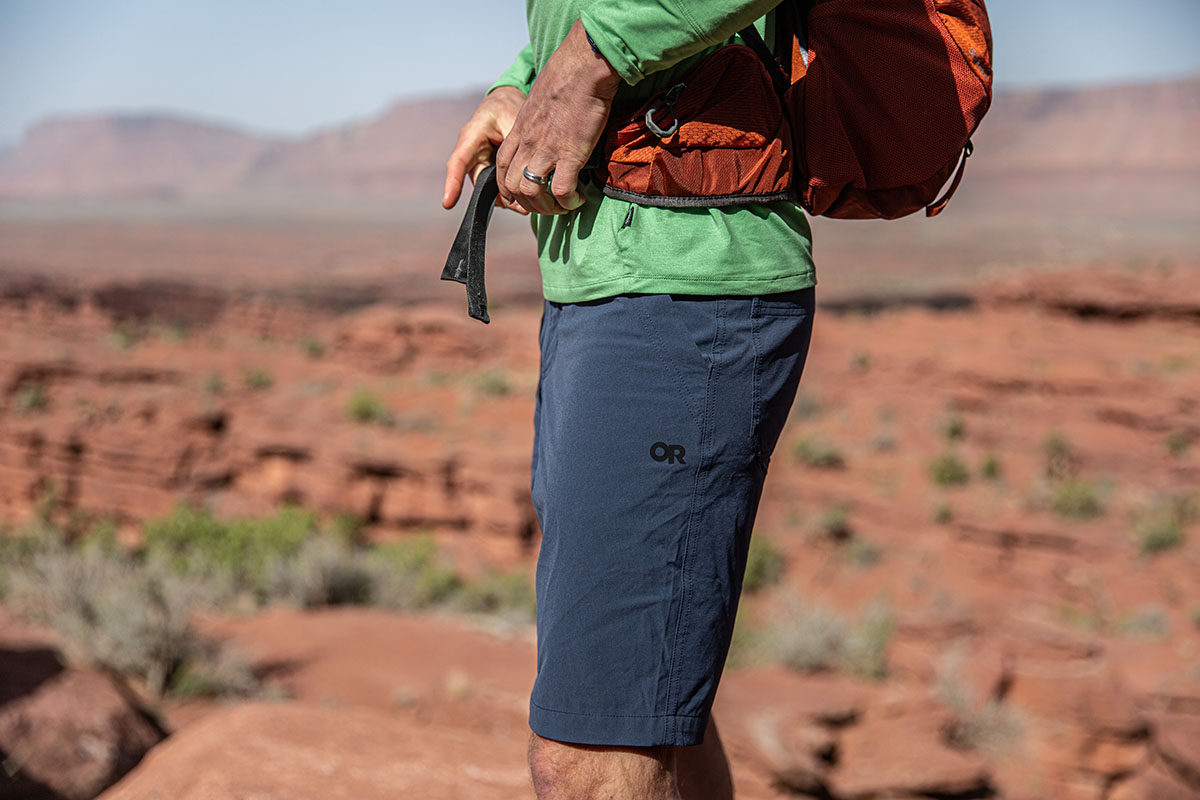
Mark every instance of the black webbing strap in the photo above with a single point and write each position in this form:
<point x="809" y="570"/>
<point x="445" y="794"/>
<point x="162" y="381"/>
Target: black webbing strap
<point x="465" y="262"/>
<point x="751" y="37"/>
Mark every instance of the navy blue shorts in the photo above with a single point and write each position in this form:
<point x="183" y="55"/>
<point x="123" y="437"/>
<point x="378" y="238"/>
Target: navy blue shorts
<point x="655" y="420"/>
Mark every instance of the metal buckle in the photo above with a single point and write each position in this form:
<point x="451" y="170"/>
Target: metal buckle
<point x="671" y="96"/>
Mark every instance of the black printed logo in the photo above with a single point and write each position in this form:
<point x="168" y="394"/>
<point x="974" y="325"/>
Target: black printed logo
<point x="671" y="453"/>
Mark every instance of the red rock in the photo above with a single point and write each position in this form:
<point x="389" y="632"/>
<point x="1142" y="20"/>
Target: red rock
<point x="1177" y="741"/>
<point x="1115" y="757"/>
<point x="904" y="756"/>
<point x="73" y="734"/>
<point x="289" y="750"/>
<point x="1156" y="783"/>
<point x="1086" y="692"/>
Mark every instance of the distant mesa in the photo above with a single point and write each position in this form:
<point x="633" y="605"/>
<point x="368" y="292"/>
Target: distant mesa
<point x="1041" y="151"/>
<point x="159" y="156"/>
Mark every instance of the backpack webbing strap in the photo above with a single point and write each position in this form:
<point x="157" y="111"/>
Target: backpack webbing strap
<point x="465" y="262"/>
<point x="752" y="38"/>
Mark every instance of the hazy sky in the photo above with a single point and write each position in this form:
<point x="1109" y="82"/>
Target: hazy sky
<point x="287" y="66"/>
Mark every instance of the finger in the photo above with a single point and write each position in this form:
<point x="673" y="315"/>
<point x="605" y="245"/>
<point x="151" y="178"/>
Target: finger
<point x="564" y="187"/>
<point x="504" y="157"/>
<point x="466" y="152"/>
<point x="536" y="195"/>
<point x="479" y="166"/>
<point x="511" y="206"/>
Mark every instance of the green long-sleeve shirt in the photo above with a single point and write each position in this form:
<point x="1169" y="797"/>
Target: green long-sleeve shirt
<point x="591" y="252"/>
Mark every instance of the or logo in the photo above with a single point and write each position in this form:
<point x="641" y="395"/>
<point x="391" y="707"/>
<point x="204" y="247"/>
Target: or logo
<point x="661" y="451"/>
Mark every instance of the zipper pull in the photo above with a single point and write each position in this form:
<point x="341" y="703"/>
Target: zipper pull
<point x="628" y="217"/>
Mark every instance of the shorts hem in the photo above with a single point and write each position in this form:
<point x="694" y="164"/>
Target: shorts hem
<point x="615" y="729"/>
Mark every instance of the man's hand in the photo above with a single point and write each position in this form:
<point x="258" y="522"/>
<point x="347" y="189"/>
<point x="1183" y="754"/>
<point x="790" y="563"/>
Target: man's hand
<point x="478" y="140"/>
<point x="557" y="127"/>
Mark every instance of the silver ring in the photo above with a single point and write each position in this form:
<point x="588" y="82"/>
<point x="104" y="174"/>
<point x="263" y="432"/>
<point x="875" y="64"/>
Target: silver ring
<point x="538" y="179"/>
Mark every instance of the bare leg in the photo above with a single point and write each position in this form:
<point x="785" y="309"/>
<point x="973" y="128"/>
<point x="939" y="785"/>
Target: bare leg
<point x="702" y="772"/>
<point x="564" y="771"/>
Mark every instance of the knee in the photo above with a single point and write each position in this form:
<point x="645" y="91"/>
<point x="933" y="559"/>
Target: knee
<point x="563" y="771"/>
<point x="542" y="767"/>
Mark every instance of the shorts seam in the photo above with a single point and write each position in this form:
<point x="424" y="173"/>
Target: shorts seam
<point x="686" y="571"/>
<point x="756" y="384"/>
<point x="620" y="716"/>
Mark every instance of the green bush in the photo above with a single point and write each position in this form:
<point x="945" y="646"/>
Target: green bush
<point x="992" y="469"/>
<point x="31" y="398"/>
<point x="1078" y="498"/>
<point x="409" y="574"/>
<point x="954" y="427"/>
<point x="1178" y="443"/>
<point x="834" y="523"/>
<point x="509" y="594"/>
<point x="1061" y="460"/>
<point x="493" y="382"/>
<point x="943" y="514"/>
<point x="1164" y="525"/>
<point x="312" y="347"/>
<point x="194" y="541"/>
<point x="257" y="379"/>
<point x="949" y="470"/>
<point x="764" y="565"/>
<point x="818" y="454"/>
<point x="364" y="407"/>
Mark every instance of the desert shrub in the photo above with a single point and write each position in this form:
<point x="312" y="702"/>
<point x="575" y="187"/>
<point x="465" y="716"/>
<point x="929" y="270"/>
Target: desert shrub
<point x="1163" y="526"/>
<point x="764" y="565"/>
<point x="1150" y="621"/>
<point x="986" y="725"/>
<point x="992" y="468"/>
<point x="312" y="347"/>
<point x="863" y="553"/>
<point x="943" y="514"/>
<point x="125" y="335"/>
<point x="806" y="406"/>
<point x="860" y="361"/>
<point x="745" y="643"/>
<point x="364" y="407"/>
<point x="193" y="541"/>
<point x="953" y="428"/>
<point x="409" y="575"/>
<point x="493" y="382"/>
<point x="1061" y="460"/>
<point x="812" y="638"/>
<point x="257" y="379"/>
<point x="1178" y="443"/>
<point x="130" y="617"/>
<point x="949" y="470"/>
<point x="214" y="670"/>
<point x="31" y="397"/>
<point x="347" y="527"/>
<point x="834" y="523"/>
<point x="509" y="594"/>
<point x="818" y="454"/>
<point x="214" y="384"/>
<point x="1077" y="498"/>
<point x="324" y="571"/>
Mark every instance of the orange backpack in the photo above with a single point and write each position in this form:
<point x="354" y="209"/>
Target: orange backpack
<point x="864" y="112"/>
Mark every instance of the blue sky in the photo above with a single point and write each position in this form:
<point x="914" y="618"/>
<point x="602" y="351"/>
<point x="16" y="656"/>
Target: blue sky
<point x="291" y="66"/>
